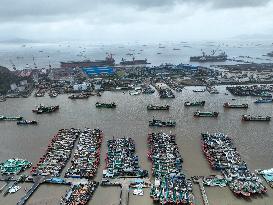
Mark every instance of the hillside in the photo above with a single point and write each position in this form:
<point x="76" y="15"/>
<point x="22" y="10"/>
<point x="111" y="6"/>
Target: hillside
<point x="6" y="78"/>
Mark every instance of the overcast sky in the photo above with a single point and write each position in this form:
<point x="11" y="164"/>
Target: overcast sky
<point x="134" y="20"/>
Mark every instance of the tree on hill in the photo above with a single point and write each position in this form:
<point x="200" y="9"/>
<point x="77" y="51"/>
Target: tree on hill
<point x="6" y="78"/>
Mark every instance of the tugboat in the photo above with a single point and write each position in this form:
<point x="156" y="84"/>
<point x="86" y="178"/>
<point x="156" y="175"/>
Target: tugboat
<point x="43" y="109"/>
<point x="255" y="118"/>
<point x="4" y="118"/>
<point x="26" y="122"/>
<point x="206" y="114"/>
<point x="79" y="96"/>
<point x="264" y="100"/>
<point x="159" y="123"/>
<point x="228" y="105"/>
<point x="106" y="105"/>
<point x="158" y="107"/>
<point x="197" y="103"/>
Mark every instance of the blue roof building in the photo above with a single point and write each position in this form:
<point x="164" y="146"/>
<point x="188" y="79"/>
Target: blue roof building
<point x="92" y="71"/>
<point x="187" y="67"/>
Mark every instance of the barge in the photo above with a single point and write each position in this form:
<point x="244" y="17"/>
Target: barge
<point x="159" y="123"/>
<point x="209" y="58"/>
<point x="106" y="105"/>
<point x="158" y="107"/>
<point x="5" y="118"/>
<point x="206" y="114"/>
<point x="193" y="104"/>
<point x="255" y="118"/>
<point x="27" y="122"/>
<point x="229" y="105"/>
<point x="41" y="109"/>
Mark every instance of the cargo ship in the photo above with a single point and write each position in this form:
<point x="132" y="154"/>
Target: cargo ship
<point x="159" y="123"/>
<point x="264" y="100"/>
<point x="270" y="54"/>
<point x="158" y="107"/>
<point x="209" y="58"/>
<point x="197" y="103"/>
<point x="228" y="105"/>
<point x="4" y="118"/>
<point x="108" y="61"/>
<point x="133" y="62"/>
<point x="255" y="118"/>
<point x="206" y="114"/>
<point x="106" y="105"/>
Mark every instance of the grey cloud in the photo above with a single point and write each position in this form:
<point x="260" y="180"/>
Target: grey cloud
<point x="31" y="10"/>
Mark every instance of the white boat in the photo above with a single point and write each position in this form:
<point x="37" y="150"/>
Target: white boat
<point x="14" y="189"/>
<point x="199" y="90"/>
<point x="136" y="92"/>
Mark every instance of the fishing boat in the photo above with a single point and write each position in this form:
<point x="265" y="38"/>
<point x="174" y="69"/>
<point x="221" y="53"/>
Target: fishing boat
<point x="212" y="90"/>
<point x="199" y="90"/>
<point x="106" y="105"/>
<point x="166" y="93"/>
<point x="135" y="92"/>
<point x="2" y="99"/>
<point x="255" y="118"/>
<point x="197" y="103"/>
<point x="53" y="94"/>
<point x="229" y="105"/>
<point x="27" y="122"/>
<point x="4" y="118"/>
<point x="78" y="96"/>
<point x="158" y="107"/>
<point x="45" y="109"/>
<point x="206" y="114"/>
<point x="159" y="123"/>
<point x="264" y="100"/>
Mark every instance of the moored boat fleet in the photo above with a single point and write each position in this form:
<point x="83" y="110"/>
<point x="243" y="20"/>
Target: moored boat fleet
<point x="223" y="156"/>
<point x="170" y="185"/>
<point x="57" y="154"/>
<point x="79" y="194"/>
<point x="86" y="158"/>
<point x="121" y="160"/>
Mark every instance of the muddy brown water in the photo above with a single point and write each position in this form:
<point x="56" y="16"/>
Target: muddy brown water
<point x="254" y="141"/>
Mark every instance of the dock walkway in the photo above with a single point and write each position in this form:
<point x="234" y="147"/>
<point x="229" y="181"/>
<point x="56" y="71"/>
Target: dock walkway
<point x="125" y="183"/>
<point x="203" y="191"/>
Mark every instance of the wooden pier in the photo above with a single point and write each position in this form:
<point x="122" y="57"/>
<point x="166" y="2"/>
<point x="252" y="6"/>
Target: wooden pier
<point x="125" y="183"/>
<point x="203" y="191"/>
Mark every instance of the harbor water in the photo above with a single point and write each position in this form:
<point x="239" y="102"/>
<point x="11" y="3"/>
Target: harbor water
<point x="253" y="140"/>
